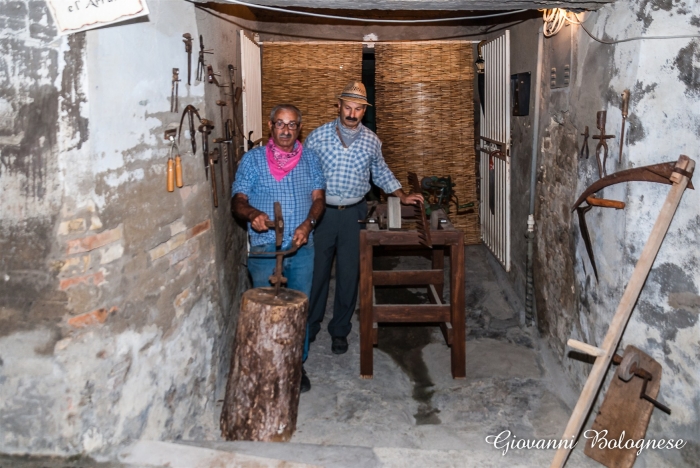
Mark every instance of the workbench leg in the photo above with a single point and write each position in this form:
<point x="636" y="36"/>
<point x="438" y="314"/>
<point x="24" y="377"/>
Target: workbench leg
<point x="439" y="264"/>
<point x="366" y="312"/>
<point x="457" y="310"/>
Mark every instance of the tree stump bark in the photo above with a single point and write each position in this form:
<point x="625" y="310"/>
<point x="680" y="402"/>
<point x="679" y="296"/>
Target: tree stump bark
<point x="262" y="391"/>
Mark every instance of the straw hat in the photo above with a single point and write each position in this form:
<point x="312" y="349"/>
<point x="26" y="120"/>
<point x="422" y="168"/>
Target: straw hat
<point x="355" y="92"/>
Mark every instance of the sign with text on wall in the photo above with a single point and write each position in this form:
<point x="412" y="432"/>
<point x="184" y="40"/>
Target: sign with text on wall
<point x="72" y="16"/>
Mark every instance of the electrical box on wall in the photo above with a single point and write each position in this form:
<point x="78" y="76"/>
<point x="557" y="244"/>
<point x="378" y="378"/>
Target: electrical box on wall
<point x="560" y="58"/>
<point x="520" y="93"/>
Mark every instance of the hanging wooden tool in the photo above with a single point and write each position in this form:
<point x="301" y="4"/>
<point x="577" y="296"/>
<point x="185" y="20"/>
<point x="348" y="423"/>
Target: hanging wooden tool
<point x="625" y="109"/>
<point x="188" y="48"/>
<point x="174" y="168"/>
<point x="421" y="220"/>
<point x="680" y="177"/>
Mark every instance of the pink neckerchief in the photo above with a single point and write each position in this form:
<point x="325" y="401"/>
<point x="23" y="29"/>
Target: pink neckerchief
<point x="280" y="162"/>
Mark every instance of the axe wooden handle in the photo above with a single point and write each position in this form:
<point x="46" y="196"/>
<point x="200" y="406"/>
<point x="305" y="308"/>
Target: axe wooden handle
<point x="171" y="176"/>
<point x="178" y="171"/>
<point x="602" y="202"/>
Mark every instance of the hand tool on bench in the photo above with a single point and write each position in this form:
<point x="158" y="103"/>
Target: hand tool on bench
<point x="188" y="48"/>
<point x="584" y="146"/>
<point x="625" y="109"/>
<point x="278" y="225"/>
<point x="601" y="117"/>
<point x="200" y="62"/>
<point x="174" y="88"/>
<point x="421" y="221"/>
<point x="190" y="112"/>
<point x="679" y="177"/>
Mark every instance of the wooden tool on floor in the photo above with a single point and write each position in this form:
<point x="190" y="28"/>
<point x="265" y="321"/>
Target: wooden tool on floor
<point x="627" y="408"/>
<point x="679" y="179"/>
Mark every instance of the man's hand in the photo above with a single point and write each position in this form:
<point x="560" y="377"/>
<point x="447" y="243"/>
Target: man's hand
<point x="411" y="199"/>
<point x="301" y="234"/>
<point x="258" y="221"/>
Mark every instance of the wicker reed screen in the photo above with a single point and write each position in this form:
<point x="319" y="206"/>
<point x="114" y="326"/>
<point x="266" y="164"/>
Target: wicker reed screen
<point x="425" y="117"/>
<point x="310" y="76"/>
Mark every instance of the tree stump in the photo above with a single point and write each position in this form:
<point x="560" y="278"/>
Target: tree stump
<point x="262" y="391"/>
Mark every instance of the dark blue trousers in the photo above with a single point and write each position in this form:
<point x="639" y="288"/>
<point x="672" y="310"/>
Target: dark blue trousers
<point x="337" y="234"/>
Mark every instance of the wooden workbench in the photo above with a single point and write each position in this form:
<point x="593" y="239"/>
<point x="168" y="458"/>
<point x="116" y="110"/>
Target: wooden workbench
<point x="449" y="316"/>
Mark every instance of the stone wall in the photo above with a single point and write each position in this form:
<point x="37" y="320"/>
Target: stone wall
<point x="664" y="122"/>
<point x="117" y="298"/>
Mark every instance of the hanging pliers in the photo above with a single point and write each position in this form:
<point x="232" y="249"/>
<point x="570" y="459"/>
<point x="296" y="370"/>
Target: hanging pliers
<point x="584" y="147"/>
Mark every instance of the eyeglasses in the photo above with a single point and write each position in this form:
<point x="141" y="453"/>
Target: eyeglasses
<point x="290" y="125"/>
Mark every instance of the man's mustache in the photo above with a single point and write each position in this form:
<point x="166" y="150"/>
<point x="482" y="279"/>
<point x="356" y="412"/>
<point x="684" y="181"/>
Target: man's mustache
<point x="285" y="135"/>
<point x="351" y="119"/>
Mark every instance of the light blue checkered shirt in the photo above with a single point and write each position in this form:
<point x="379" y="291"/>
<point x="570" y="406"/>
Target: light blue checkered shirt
<point x="253" y="179"/>
<point x="347" y="170"/>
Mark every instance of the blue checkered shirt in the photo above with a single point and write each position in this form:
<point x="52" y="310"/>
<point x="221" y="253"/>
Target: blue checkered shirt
<point x="347" y="170"/>
<point x="253" y="179"/>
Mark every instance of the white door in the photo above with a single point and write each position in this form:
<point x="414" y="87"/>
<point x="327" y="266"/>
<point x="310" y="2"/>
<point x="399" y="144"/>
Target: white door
<point x="252" y="89"/>
<point x="494" y="150"/>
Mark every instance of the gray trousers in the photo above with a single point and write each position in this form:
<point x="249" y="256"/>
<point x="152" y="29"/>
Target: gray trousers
<point x="337" y="234"/>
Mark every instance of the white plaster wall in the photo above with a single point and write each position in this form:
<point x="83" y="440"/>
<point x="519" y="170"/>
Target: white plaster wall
<point x="148" y="368"/>
<point x="664" y="123"/>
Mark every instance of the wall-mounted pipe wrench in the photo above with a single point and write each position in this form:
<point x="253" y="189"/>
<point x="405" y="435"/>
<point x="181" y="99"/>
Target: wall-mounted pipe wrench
<point x="188" y="48"/>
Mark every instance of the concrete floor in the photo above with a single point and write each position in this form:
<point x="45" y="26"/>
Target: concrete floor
<point x="412" y="413"/>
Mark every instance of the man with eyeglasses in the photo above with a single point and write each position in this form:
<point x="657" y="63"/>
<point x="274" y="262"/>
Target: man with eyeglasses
<point x="283" y="171"/>
<point x="349" y="153"/>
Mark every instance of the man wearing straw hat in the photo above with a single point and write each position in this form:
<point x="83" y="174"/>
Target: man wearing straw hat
<point x="349" y="152"/>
